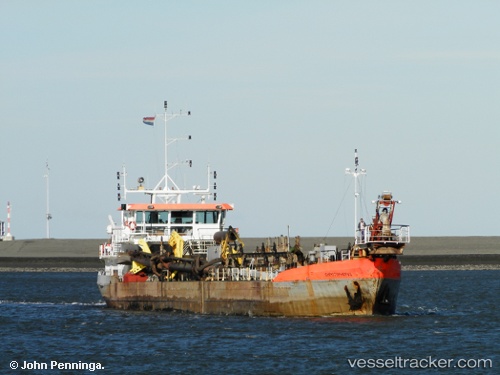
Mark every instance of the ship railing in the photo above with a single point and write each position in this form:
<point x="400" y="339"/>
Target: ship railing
<point x="198" y="247"/>
<point x="245" y="274"/>
<point x="345" y="254"/>
<point x="205" y="233"/>
<point x="159" y="233"/>
<point x="105" y="250"/>
<point x="395" y="234"/>
<point x="120" y="235"/>
<point x="112" y="248"/>
<point x="198" y="231"/>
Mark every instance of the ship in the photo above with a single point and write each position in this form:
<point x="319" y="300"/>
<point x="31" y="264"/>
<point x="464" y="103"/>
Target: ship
<point x="175" y="252"/>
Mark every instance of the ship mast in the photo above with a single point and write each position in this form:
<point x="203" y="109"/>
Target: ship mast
<point x="161" y="190"/>
<point x="166" y="141"/>
<point x="175" y="192"/>
<point x="355" y="174"/>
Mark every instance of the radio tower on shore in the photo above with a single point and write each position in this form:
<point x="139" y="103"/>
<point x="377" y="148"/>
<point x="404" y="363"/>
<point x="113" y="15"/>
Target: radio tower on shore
<point x="8" y="236"/>
<point x="48" y="216"/>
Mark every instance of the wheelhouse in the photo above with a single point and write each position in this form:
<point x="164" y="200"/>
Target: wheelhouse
<point x="192" y="221"/>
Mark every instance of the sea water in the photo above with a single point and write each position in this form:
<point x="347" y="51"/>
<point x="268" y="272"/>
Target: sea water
<point x="446" y="322"/>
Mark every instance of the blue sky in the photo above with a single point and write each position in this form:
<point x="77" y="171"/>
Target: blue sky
<point x="281" y="93"/>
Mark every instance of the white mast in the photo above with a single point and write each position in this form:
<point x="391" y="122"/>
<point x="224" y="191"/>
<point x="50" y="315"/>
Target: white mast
<point x="166" y="142"/>
<point x="47" y="214"/>
<point x="157" y="190"/>
<point x="9" y="236"/>
<point x="355" y="174"/>
<point x="8" y="218"/>
<point x="161" y="190"/>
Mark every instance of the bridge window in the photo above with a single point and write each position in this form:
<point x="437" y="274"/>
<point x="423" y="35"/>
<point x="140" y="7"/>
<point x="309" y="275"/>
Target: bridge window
<point x="151" y="217"/>
<point x="163" y="217"/>
<point x="206" y="217"/>
<point x="181" y="217"/>
<point x="139" y="217"/>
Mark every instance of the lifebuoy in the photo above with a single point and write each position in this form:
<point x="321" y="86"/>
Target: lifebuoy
<point x="132" y="225"/>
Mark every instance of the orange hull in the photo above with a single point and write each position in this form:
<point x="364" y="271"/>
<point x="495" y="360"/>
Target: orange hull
<point x="358" y="268"/>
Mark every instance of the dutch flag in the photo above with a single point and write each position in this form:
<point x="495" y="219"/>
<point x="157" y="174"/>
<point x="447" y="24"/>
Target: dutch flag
<point x="149" y="120"/>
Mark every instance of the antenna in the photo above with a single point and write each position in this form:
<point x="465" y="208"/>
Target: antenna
<point x="355" y="174"/>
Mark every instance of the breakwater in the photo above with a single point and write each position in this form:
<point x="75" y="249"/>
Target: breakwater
<point x="421" y="253"/>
